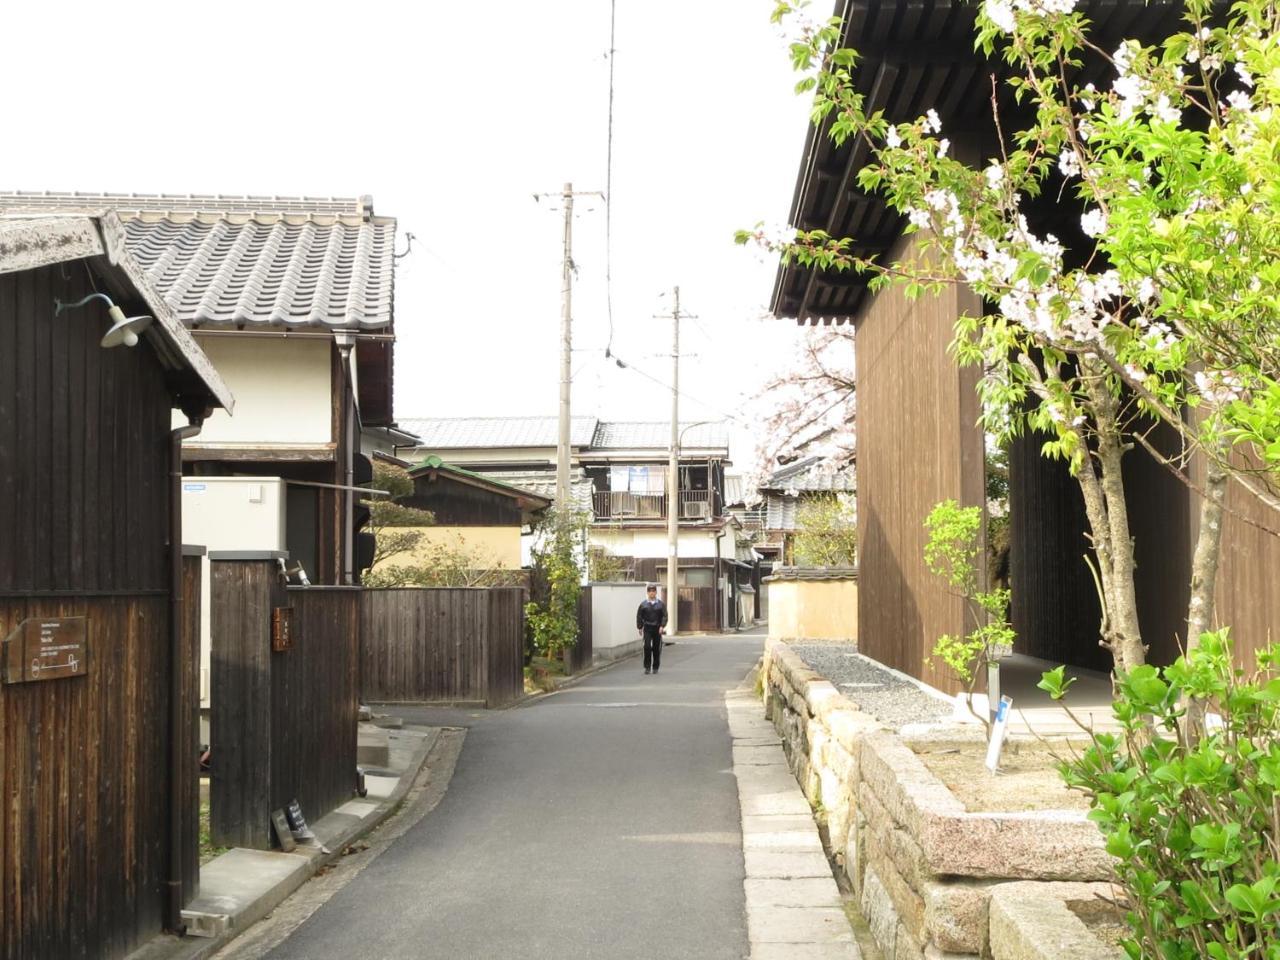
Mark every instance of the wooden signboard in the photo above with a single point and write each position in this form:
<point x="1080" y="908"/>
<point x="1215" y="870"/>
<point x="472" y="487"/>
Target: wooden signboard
<point x="46" y="648"/>
<point x="281" y="629"/>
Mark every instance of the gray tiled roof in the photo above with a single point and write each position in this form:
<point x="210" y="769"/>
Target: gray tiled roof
<point x="656" y="435"/>
<point x="543" y="484"/>
<point x="809" y="474"/>
<point x="439" y="433"/>
<point x="231" y="261"/>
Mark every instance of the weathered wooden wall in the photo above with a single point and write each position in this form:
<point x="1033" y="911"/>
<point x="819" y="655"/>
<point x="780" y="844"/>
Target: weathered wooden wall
<point x="284" y="725"/>
<point x="316" y="699"/>
<point x="457" y="504"/>
<point x="83" y="447"/>
<point x="580" y="655"/>
<point x="84" y="772"/>
<point x="242" y="595"/>
<point x="189" y="732"/>
<point x="1248" y="595"/>
<point x="451" y="644"/>
<point x="84" y="785"/>
<point x="918" y="444"/>
<point x="1054" y="606"/>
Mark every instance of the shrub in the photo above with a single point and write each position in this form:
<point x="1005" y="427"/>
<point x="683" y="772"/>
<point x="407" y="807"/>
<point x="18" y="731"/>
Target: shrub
<point x="1192" y="815"/>
<point x="553" y="623"/>
<point x="826" y="532"/>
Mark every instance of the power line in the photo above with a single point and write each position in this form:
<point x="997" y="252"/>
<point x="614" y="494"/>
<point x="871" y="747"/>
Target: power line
<point x="624" y="365"/>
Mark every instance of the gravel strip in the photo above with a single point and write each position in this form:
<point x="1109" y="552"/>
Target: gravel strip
<point x="892" y="700"/>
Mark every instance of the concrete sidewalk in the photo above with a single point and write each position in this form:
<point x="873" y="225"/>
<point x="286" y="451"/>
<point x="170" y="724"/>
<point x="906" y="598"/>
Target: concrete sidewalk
<point x="794" y="908"/>
<point x="242" y="886"/>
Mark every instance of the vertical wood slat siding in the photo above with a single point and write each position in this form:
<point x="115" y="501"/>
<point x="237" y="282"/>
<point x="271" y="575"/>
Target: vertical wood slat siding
<point x="283" y="724"/>
<point x="918" y="444"/>
<point x="83" y="446"/>
<point x="316" y="701"/>
<point x="1248" y="594"/>
<point x="242" y="595"/>
<point x="84" y="787"/>
<point x="579" y="656"/>
<point x="442" y="644"/>
<point x="1054" y="606"/>
<point x="189" y="775"/>
<point x="83" y="512"/>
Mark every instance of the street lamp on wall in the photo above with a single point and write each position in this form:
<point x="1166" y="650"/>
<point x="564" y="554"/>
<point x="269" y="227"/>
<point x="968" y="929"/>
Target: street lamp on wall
<point x="124" y="330"/>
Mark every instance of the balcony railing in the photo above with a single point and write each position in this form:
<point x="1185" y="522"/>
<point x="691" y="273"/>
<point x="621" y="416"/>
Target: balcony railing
<point x="616" y="505"/>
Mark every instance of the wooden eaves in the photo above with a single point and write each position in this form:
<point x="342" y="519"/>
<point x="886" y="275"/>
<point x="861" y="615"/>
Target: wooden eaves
<point x="915" y="55"/>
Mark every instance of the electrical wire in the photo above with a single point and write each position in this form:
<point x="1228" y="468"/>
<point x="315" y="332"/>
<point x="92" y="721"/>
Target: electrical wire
<point x="623" y="365"/>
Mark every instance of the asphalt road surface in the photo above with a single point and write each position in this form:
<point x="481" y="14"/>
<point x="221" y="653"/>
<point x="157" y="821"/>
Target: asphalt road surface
<point x="601" y="822"/>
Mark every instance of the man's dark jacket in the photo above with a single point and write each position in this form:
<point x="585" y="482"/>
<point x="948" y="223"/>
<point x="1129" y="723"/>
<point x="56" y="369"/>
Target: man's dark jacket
<point x="651" y="615"/>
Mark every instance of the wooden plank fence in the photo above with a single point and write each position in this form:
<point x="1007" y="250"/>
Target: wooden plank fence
<point x="283" y="722"/>
<point x="579" y="657"/>
<point x="445" y="644"/>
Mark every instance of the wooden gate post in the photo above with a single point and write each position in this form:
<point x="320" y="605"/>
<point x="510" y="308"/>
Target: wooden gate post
<point x="245" y="589"/>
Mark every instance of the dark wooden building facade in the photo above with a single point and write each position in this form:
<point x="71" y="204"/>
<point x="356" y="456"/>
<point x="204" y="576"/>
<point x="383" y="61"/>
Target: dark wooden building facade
<point x="919" y="441"/>
<point x="96" y="816"/>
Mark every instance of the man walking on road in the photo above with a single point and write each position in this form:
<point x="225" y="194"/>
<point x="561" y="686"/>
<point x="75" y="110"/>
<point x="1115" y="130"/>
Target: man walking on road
<point x="651" y="621"/>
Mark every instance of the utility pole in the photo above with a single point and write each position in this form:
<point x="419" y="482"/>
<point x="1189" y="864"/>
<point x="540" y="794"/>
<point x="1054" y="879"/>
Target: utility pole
<point x="566" y="354"/>
<point x="673" y="477"/>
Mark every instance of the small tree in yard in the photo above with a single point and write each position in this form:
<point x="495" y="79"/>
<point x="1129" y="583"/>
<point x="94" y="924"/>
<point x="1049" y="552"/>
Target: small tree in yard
<point x="953" y="553"/>
<point x="826" y="532"/>
<point x="395" y="527"/>
<point x="398" y="533"/>
<point x="811" y="409"/>
<point x="554" y="622"/>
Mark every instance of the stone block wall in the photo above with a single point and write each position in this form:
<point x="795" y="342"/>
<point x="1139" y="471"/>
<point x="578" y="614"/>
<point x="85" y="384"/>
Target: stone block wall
<point x="922" y="867"/>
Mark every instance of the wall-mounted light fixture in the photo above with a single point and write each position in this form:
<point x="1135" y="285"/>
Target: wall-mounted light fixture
<point x="123" y="329"/>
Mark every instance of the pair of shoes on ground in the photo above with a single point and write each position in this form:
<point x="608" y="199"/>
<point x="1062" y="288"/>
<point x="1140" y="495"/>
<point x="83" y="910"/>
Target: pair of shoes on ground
<point x="647" y="671"/>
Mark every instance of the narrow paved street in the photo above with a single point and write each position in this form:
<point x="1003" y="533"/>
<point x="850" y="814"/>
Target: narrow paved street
<point x="601" y="822"/>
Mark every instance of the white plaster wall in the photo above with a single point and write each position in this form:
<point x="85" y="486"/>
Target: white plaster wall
<point x="613" y="618"/>
<point x="282" y="389"/>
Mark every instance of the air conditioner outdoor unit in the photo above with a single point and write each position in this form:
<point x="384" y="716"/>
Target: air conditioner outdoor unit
<point x="698" y="509"/>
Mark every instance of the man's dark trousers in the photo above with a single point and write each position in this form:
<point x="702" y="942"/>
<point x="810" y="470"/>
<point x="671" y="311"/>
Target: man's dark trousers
<point x="652" y="647"/>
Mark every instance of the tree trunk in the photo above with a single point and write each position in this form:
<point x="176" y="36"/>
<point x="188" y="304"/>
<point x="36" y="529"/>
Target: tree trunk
<point x="1204" y="563"/>
<point x="1120" y="595"/>
<point x="1204" y="577"/>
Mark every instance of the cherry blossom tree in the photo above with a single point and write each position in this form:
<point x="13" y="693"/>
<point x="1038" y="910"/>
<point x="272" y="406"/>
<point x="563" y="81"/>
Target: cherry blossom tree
<point x="809" y="409"/>
<point x="1173" y="310"/>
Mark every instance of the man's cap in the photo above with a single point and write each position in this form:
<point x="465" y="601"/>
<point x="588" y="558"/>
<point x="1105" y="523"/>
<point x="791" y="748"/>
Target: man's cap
<point x="652" y="586"/>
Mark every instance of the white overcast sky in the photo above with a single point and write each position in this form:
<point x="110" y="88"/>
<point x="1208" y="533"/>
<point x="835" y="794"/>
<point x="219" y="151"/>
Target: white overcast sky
<point x="452" y="115"/>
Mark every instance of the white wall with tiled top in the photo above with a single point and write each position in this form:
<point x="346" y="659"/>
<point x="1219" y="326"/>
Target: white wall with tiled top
<point x="282" y="387"/>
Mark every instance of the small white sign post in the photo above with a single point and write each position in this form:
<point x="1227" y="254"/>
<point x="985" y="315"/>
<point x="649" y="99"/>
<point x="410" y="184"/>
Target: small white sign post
<point x="998" y="730"/>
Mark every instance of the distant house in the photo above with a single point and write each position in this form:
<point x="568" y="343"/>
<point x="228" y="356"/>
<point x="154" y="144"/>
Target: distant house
<point x="293" y="300"/>
<point x="483" y="516"/>
<point x="620" y="482"/>
<point x="96" y="705"/>
<point x="784" y="492"/>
